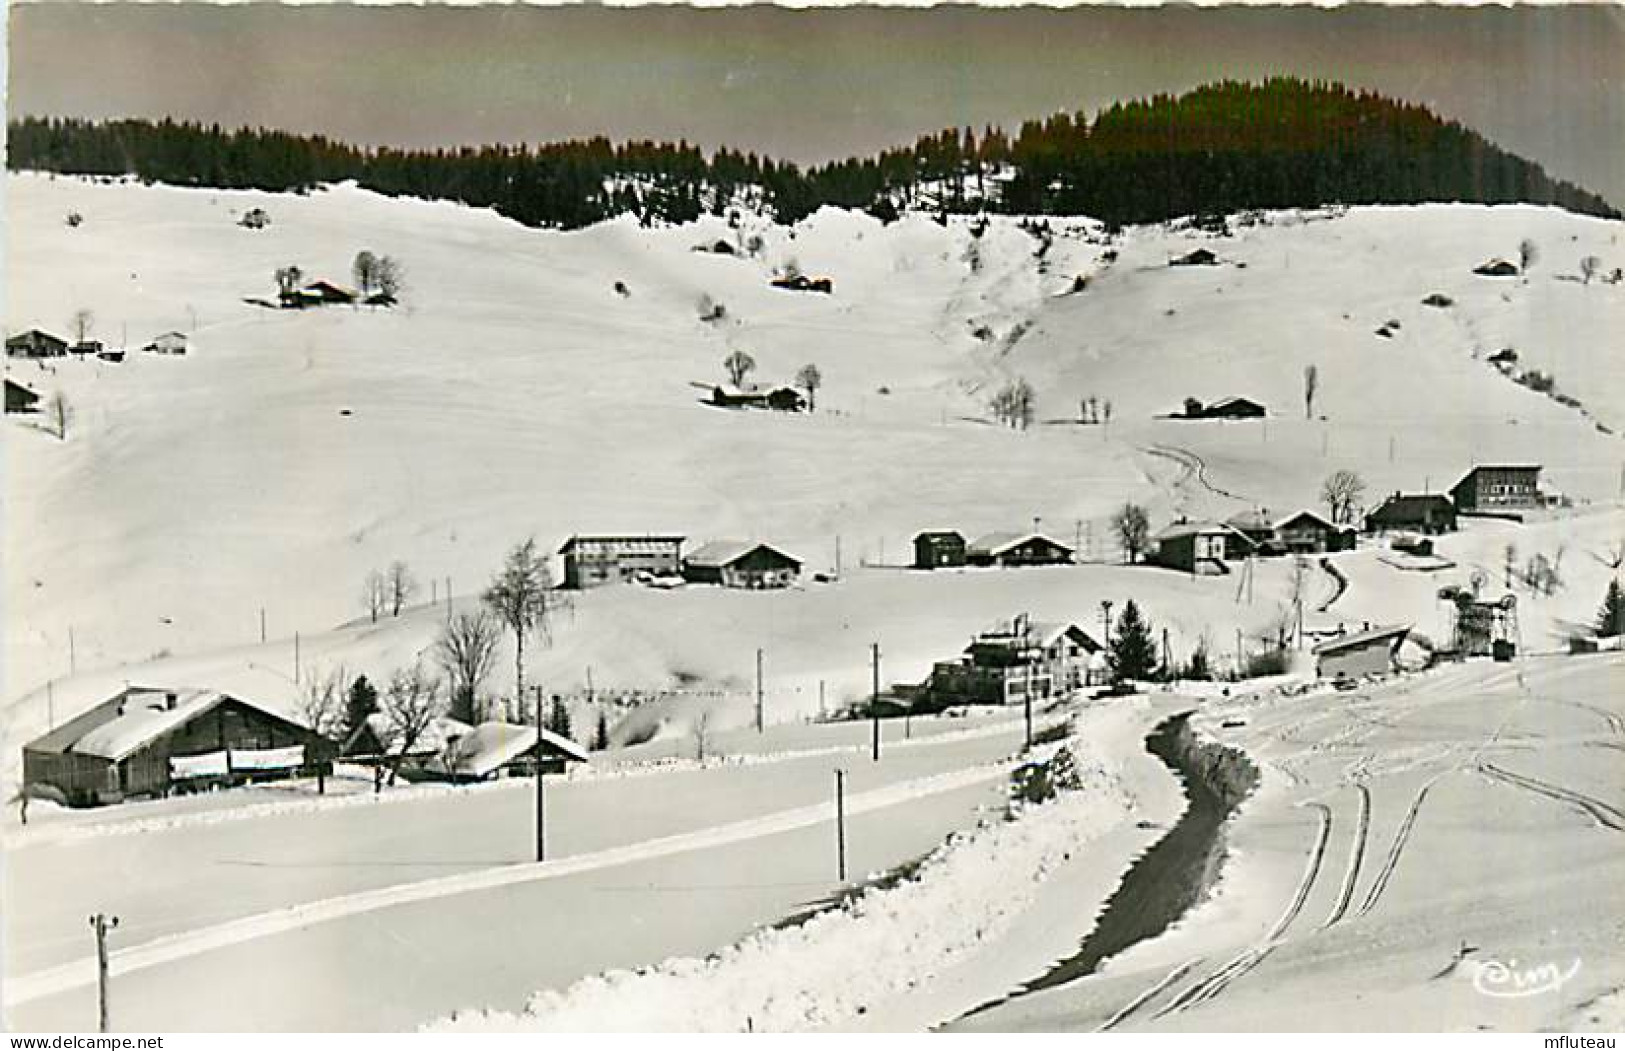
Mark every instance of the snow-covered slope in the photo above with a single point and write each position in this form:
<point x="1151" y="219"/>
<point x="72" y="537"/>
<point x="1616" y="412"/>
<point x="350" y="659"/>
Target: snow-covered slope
<point x="516" y="393"/>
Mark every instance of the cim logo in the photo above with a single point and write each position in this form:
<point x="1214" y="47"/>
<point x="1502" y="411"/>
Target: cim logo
<point x="1494" y="978"/>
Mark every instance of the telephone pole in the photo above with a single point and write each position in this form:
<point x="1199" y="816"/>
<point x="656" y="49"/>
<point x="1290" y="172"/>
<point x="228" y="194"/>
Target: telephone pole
<point x="840" y="824"/>
<point x="541" y="798"/>
<point x="759" y="725"/>
<point x="874" y="699"/>
<point x="101" y="924"/>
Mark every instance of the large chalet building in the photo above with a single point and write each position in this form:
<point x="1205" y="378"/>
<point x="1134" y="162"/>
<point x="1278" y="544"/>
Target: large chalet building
<point x="1499" y="487"/>
<point x="591" y="561"/>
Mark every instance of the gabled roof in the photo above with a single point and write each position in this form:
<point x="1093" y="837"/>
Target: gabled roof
<point x="939" y="534"/>
<point x="1226" y="402"/>
<point x="1257" y="520"/>
<point x="1182" y="529"/>
<point x="720" y="553"/>
<point x="1281" y="523"/>
<point x="134" y="718"/>
<point x="1405" y="505"/>
<point x="610" y="538"/>
<point x="488" y="747"/>
<point x="996" y="544"/>
<point x="434" y="738"/>
<point x="34" y="332"/>
<point x="1362" y="638"/>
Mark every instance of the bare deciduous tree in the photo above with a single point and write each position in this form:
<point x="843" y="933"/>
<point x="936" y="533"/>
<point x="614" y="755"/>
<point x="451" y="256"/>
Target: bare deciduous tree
<point x="1341" y="493"/>
<point x="82" y="323"/>
<point x="1132" y="527"/>
<point x="1589" y="268"/>
<point x="810" y="379"/>
<point x="466" y="650"/>
<point x="1311" y="386"/>
<point x="287" y="280"/>
<point x="389" y="276"/>
<point x="411" y="704"/>
<point x="375" y="595"/>
<point x="738" y="365"/>
<point x="399" y="586"/>
<point x="1014" y="404"/>
<point x="701" y="732"/>
<point x="519" y="596"/>
<point x="322" y="707"/>
<point x="59" y="410"/>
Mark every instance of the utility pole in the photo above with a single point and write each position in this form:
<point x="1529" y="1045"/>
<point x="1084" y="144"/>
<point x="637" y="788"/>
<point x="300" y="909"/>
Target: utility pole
<point x="50" y="704"/>
<point x="101" y="924"/>
<point x="1027" y="705"/>
<point x="759" y="726"/>
<point x="1106" y="620"/>
<point x="837" y="555"/>
<point x="820" y="698"/>
<point x="296" y="656"/>
<point x="589" y="684"/>
<point x="1238" y="654"/>
<point x="262" y="625"/>
<point x="73" y="658"/>
<point x="840" y="824"/>
<point x="541" y="799"/>
<point x="874" y="699"/>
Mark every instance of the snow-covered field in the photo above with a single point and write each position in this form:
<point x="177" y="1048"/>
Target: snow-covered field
<point x="514" y="393"/>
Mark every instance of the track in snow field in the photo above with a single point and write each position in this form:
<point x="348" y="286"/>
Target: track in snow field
<point x="1401" y="838"/>
<point x="1609" y="817"/>
<point x="1246" y="962"/>
<point x="1362" y="829"/>
<point x="1150" y="994"/>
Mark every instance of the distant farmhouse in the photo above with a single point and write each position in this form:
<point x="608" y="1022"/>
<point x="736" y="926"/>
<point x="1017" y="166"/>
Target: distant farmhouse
<point x="88" y="347"/>
<point x="1199" y="548"/>
<point x="1496" y="268"/>
<point x="593" y="560"/>
<point x="1427" y="513"/>
<point x="36" y="343"/>
<point x="741" y="564"/>
<point x="936" y="549"/>
<point x="168" y="343"/>
<point x="1199" y="257"/>
<point x="1017" y="659"/>
<point x="147" y="742"/>
<point x="1232" y="408"/>
<point x="376" y="739"/>
<point x="1010" y="550"/>
<point x="802" y="283"/>
<point x="782" y="399"/>
<point x="1498" y="487"/>
<point x="1259" y="529"/>
<point x="20" y="398"/>
<point x="1372" y="651"/>
<point x="318" y="293"/>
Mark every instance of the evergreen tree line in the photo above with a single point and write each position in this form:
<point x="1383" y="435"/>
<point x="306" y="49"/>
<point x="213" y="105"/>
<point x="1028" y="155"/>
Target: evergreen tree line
<point x="1222" y="148"/>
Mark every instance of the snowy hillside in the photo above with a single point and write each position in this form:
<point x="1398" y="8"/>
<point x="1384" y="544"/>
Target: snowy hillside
<point x="514" y="392"/>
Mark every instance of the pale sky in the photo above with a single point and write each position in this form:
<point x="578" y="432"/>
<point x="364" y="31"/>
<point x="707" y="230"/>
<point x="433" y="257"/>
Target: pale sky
<point x="1547" y="83"/>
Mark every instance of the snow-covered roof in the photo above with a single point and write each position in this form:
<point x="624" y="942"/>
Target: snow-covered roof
<point x="618" y="538"/>
<point x="137" y="717"/>
<point x="435" y="737"/>
<point x="1361" y="638"/>
<point x="720" y="553"/>
<point x="998" y="543"/>
<point x="1258" y="520"/>
<point x="1181" y="529"/>
<point x="488" y="747"/>
<point x="1306" y="513"/>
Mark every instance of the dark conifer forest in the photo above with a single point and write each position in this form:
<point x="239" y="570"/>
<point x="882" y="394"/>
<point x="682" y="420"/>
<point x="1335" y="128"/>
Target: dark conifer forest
<point x="1219" y="149"/>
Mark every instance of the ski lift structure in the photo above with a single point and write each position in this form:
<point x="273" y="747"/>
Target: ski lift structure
<point x="1482" y="627"/>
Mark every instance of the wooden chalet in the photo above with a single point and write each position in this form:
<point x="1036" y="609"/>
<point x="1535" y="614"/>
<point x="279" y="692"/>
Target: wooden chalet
<point x="1018" y="659"/>
<point x="1498" y="487"/>
<point x="36" y="343"/>
<point x="935" y="549"/>
<point x="147" y="742"/>
<point x="168" y="343"/>
<point x="20" y="398"/>
<point x="1199" y="548"/>
<point x="1427" y="513"/>
<point x="494" y="750"/>
<point x="1010" y="550"/>
<point x="1370" y="651"/>
<point x="741" y="564"/>
<point x="1307" y="533"/>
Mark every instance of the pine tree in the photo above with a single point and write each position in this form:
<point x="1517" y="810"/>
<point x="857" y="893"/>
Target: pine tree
<point x="600" y="738"/>
<point x="361" y="702"/>
<point x="1133" y="650"/>
<point x="1611" y="618"/>
<point x="558" y="720"/>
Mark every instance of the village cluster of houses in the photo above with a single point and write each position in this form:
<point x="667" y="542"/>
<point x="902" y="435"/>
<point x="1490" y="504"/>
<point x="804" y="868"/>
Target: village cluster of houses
<point x="39" y="344"/>
<point x="145" y="742"/>
<point x="1019" y="661"/>
<point x="321" y="293"/>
